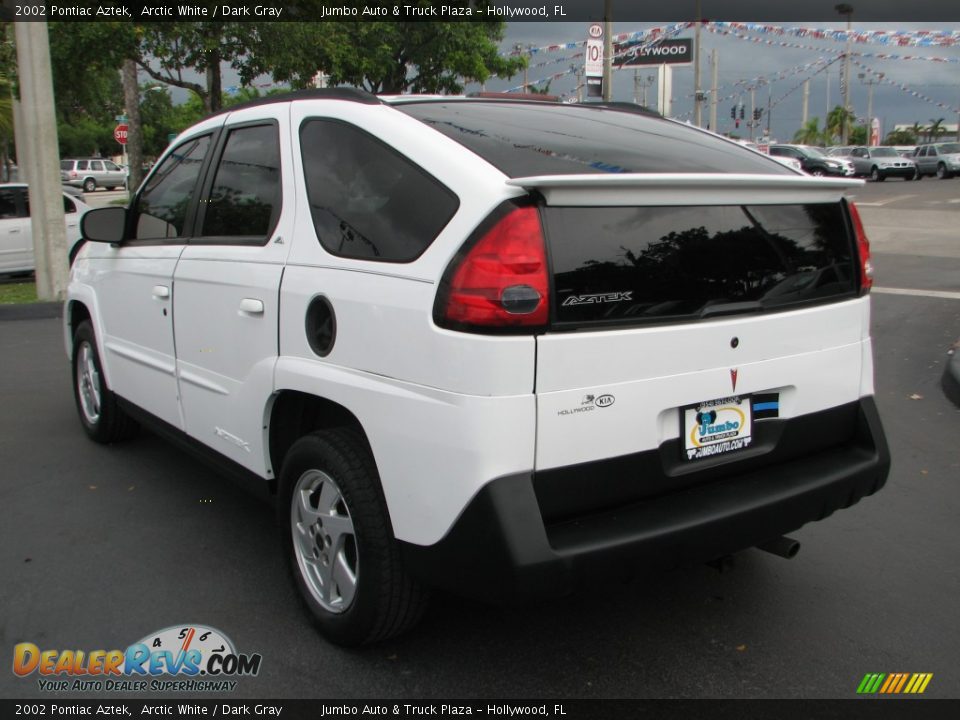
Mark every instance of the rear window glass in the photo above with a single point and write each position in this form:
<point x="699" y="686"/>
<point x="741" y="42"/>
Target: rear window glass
<point x="523" y="139"/>
<point x="652" y="264"/>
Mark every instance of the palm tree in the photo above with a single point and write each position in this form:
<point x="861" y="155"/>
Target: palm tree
<point x="836" y="120"/>
<point x="809" y="134"/>
<point x="935" y="130"/>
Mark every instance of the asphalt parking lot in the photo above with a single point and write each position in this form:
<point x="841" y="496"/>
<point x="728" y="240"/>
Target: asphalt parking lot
<point x="100" y="546"/>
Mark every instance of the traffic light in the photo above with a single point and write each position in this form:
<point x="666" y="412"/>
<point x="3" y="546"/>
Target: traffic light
<point x="733" y="112"/>
<point x="741" y="112"/>
<point x="757" y="113"/>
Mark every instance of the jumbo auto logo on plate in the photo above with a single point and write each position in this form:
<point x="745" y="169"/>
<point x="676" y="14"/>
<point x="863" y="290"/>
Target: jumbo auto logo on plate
<point x="198" y="657"/>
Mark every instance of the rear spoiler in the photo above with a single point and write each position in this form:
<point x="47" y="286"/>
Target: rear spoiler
<point x="684" y="188"/>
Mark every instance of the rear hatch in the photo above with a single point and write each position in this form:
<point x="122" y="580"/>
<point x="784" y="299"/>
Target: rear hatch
<point x="693" y="318"/>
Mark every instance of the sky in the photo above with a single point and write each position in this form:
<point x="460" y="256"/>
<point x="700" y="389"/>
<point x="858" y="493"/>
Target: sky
<point x="746" y="62"/>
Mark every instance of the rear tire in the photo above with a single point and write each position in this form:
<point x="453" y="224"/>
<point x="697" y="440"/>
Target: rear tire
<point x="942" y="172"/>
<point x="102" y="418"/>
<point x="89" y="185"/>
<point x="337" y="536"/>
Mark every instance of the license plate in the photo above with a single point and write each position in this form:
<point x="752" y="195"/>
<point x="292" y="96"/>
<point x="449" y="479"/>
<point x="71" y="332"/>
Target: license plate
<point x="717" y="427"/>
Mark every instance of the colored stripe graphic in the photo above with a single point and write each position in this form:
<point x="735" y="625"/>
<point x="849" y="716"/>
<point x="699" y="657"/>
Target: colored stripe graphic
<point x="767" y="406"/>
<point x="894" y="683"/>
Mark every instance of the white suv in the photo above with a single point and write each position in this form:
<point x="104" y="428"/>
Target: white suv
<point x="500" y="347"/>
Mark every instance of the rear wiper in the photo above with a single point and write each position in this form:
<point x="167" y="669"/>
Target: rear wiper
<point x="732" y="308"/>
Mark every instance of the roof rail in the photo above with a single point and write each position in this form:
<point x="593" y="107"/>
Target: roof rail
<point x="624" y="107"/>
<point x="349" y="94"/>
<point x="513" y="96"/>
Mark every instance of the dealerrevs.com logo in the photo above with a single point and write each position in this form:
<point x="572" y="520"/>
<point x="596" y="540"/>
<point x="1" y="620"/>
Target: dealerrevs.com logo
<point x="182" y="658"/>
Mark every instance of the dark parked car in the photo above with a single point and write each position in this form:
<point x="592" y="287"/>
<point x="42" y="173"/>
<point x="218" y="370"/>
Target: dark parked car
<point x="813" y="161"/>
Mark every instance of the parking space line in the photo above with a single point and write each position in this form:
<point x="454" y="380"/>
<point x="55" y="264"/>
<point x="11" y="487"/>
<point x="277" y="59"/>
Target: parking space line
<point x="945" y="294"/>
<point x="883" y="202"/>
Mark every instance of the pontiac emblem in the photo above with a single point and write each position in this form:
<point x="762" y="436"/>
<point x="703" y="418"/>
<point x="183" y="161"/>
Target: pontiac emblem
<point x="733" y="378"/>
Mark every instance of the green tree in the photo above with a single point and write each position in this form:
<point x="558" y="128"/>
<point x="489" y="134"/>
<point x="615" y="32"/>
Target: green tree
<point x="935" y="130"/>
<point x="810" y="133"/>
<point x="900" y="137"/>
<point x="859" y="135"/>
<point x="386" y="57"/>
<point x="836" y="120"/>
<point x="169" y="50"/>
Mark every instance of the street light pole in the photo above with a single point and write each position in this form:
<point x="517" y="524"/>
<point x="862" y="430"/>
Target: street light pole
<point x="607" y="50"/>
<point x="697" y="95"/>
<point x="845" y="9"/>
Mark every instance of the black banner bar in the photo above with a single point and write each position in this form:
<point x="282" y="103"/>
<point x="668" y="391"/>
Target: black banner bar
<point x="145" y="11"/>
<point x="867" y="709"/>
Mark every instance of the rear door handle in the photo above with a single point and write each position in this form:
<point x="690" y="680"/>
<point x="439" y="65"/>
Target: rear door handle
<point x="161" y="292"/>
<point x="251" y="306"/>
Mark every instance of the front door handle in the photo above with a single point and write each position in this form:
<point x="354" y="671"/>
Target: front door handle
<point x="161" y="292"/>
<point x="251" y="306"/>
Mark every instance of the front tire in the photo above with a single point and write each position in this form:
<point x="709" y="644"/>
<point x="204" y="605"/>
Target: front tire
<point x="337" y="535"/>
<point x="876" y="175"/>
<point x="102" y="418"/>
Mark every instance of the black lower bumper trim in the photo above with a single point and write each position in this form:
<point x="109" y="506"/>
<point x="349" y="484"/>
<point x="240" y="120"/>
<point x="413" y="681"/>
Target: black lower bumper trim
<point x="500" y="550"/>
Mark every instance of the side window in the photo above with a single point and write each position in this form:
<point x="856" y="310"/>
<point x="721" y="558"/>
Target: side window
<point x="82" y="165"/>
<point x="111" y="166"/>
<point x="367" y="200"/>
<point x="244" y="199"/>
<point x="8" y="205"/>
<point x="68" y="206"/>
<point x="96" y="166"/>
<point x="931" y="151"/>
<point x="161" y="208"/>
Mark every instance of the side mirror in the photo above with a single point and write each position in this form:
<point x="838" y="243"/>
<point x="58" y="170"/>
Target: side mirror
<point x="106" y="225"/>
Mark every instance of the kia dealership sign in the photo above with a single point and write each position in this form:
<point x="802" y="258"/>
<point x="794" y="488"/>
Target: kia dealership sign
<point x="673" y="52"/>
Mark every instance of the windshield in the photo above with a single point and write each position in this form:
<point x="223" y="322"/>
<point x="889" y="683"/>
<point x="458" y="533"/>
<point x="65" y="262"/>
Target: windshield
<point x="885" y="152"/>
<point x="813" y="152"/>
<point x="950" y="148"/>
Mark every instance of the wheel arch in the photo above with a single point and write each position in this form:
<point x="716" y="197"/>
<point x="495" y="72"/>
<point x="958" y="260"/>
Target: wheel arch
<point x="292" y="414"/>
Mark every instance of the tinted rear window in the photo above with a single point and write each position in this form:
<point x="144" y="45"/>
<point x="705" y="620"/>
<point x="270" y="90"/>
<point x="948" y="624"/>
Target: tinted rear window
<point x="654" y="264"/>
<point x="523" y="139"/>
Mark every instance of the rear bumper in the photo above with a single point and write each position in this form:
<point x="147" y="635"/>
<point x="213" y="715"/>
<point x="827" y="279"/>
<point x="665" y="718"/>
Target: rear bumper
<point x="501" y="550"/>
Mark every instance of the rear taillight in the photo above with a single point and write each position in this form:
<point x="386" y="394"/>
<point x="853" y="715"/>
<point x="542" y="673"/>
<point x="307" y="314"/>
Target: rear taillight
<point x="863" y="249"/>
<point x="499" y="281"/>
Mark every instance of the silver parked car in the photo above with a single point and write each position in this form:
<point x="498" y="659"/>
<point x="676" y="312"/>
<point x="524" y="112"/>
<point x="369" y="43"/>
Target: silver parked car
<point x="879" y="163"/>
<point x="940" y="159"/>
<point x="91" y="173"/>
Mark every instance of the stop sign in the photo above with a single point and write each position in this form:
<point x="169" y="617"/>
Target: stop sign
<point x="120" y="134"/>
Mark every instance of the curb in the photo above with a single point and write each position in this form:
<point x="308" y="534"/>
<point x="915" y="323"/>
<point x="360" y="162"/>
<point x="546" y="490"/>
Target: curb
<point x="31" y="311"/>
<point x="951" y="375"/>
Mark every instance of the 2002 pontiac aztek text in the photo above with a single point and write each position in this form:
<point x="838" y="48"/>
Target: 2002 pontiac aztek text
<point x="497" y="346"/>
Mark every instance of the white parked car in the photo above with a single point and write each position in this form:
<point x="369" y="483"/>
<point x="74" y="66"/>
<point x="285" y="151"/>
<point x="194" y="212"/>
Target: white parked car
<point x="505" y="347"/>
<point x="16" y="229"/>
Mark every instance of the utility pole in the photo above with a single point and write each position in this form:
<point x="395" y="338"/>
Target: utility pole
<point x="607" y="50"/>
<point x="845" y="9"/>
<point x="869" y="82"/>
<point x="714" y="87"/>
<point x="697" y="95"/>
<point x="806" y="102"/>
<point x="769" y="107"/>
<point x="134" y="146"/>
<point x="46" y="195"/>
<point x="753" y="111"/>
